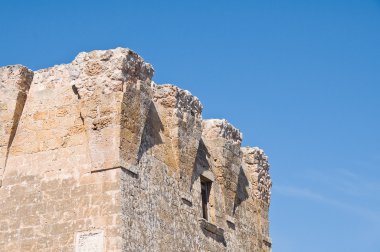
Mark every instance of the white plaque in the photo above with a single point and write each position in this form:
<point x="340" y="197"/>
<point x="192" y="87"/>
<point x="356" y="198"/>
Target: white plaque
<point x="89" y="241"/>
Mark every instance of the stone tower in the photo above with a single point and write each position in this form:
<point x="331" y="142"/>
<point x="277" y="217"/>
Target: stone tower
<point x="94" y="156"/>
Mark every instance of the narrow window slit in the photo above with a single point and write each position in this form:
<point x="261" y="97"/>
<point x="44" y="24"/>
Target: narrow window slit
<point x="205" y="193"/>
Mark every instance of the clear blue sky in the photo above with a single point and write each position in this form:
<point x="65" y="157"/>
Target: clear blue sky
<point x="300" y="78"/>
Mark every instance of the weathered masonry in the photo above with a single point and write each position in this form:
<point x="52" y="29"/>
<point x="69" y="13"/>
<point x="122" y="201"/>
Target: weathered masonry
<point x="94" y="156"/>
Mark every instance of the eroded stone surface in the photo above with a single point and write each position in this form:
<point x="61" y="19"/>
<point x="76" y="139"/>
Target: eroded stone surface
<point x="95" y="147"/>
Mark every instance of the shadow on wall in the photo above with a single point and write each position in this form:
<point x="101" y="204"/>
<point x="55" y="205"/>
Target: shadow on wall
<point x="212" y="231"/>
<point x="201" y="163"/>
<point x="241" y="189"/>
<point x="20" y="103"/>
<point x="151" y="133"/>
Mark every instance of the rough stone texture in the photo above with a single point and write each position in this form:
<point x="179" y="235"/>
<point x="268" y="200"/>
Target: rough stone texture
<point x="96" y="156"/>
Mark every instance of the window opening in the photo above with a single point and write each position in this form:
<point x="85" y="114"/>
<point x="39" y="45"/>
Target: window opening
<point x="205" y="193"/>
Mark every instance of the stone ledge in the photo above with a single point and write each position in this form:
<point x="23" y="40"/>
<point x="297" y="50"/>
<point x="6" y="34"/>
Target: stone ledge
<point x="211" y="227"/>
<point x="231" y="222"/>
<point x="267" y="241"/>
<point x="187" y="198"/>
<point x="230" y="219"/>
<point x="132" y="170"/>
<point x="208" y="175"/>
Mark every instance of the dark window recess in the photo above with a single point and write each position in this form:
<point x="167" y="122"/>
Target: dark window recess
<point x="205" y="192"/>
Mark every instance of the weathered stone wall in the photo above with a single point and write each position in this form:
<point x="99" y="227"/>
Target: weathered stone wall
<point x="95" y="155"/>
